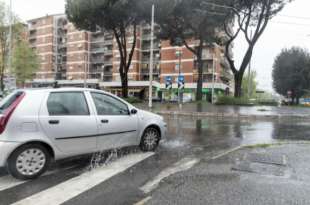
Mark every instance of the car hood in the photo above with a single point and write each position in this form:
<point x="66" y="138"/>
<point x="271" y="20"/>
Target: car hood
<point x="147" y="115"/>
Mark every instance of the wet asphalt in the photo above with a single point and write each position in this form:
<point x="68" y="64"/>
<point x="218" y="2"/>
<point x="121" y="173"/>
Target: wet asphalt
<point x="186" y="137"/>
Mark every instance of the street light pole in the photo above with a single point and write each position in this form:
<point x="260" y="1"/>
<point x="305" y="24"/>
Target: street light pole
<point x="10" y="39"/>
<point x="213" y="80"/>
<point x="180" y="70"/>
<point x="151" y="60"/>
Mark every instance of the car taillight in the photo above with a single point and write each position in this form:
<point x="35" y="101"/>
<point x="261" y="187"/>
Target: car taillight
<point x="8" y="112"/>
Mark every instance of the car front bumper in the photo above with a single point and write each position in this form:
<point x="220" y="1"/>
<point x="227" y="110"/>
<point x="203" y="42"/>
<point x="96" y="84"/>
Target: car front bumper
<point x="6" y="148"/>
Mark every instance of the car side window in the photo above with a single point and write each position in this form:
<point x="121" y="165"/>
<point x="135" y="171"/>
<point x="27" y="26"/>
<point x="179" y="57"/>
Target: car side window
<point x="107" y="105"/>
<point x="67" y="103"/>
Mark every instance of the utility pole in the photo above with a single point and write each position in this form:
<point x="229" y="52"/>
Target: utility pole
<point x="151" y="60"/>
<point x="86" y="70"/>
<point x="213" y="80"/>
<point x="10" y="41"/>
<point x="179" y="55"/>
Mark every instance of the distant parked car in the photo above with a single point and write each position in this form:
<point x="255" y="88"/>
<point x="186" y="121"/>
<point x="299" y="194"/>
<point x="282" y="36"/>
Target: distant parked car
<point x="39" y="126"/>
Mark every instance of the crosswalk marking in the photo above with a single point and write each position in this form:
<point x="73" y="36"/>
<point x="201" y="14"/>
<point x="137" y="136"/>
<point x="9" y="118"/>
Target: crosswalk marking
<point x="75" y="186"/>
<point x="7" y="182"/>
<point x="179" y="166"/>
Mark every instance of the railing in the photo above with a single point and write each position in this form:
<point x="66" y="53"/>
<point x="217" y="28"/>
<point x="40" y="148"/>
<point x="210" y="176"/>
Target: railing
<point x="108" y="42"/>
<point x="147" y="60"/>
<point x="146" y="71"/>
<point x="97" y="50"/>
<point x="108" y="63"/>
<point x="107" y="78"/>
<point x="146" y="37"/>
<point x="108" y="52"/>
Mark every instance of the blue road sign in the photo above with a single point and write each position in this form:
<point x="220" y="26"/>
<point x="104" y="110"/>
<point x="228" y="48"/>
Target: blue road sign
<point x="168" y="82"/>
<point x="181" y="82"/>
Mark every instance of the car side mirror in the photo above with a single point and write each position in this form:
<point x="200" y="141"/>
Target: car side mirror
<point x="134" y="111"/>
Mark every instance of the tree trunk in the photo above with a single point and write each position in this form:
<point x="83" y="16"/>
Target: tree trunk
<point x="200" y="79"/>
<point x="124" y="80"/>
<point x="297" y="100"/>
<point x="2" y="82"/>
<point x="238" y="85"/>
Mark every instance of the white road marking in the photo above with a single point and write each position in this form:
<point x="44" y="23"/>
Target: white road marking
<point x="179" y="166"/>
<point x="75" y="186"/>
<point x="7" y="182"/>
<point x="143" y="201"/>
<point x="226" y="153"/>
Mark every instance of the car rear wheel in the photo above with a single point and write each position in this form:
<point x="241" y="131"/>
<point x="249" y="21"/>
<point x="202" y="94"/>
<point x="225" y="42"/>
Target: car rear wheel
<point x="28" y="161"/>
<point x="150" y="139"/>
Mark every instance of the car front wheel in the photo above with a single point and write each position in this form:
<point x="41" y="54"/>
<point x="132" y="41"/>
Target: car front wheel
<point x="28" y="161"/>
<point x="150" y="139"/>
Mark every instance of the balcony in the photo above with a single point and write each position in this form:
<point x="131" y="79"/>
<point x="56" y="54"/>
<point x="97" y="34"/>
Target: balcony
<point x="146" y="71"/>
<point x="107" y="78"/>
<point x="146" y="37"/>
<point x="97" y="50"/>
<point x="97" y="62"/>
<point x="108" y="63"/>
<point x="148" y="48"/>
<point x="97" y="39"/>
<point x="108" y="73"/>
<point x="147" y="60"/>
<point x="108" y="42"/>
<point x="108" y="53"/>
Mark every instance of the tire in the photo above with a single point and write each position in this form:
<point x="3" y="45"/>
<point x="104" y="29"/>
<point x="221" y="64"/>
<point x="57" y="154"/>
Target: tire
<point x="29" y="161"/>
<point x="150" y="139"/>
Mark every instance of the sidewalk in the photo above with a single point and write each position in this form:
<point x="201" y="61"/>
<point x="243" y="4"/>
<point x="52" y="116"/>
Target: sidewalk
<point x="276" y="175"/>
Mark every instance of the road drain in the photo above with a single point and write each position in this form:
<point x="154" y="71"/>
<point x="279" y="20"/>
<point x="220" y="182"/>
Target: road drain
<point x="263" y="164"/>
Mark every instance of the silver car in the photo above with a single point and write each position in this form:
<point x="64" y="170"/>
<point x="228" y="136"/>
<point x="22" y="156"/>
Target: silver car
<point x="40" y="126"/>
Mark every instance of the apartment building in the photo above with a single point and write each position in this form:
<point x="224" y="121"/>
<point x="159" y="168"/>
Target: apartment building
<point x="72" y="57"/>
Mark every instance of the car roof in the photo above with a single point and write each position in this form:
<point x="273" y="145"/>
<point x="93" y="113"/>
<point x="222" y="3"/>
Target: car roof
<point x="30" y="90"/>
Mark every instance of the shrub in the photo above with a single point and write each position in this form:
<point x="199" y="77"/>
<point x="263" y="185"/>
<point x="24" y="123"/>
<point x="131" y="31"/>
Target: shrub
<point x="133" y="100"/>
<point x="230" y="100"/>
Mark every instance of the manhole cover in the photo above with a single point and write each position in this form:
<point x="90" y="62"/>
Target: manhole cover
<point x="263" y="169"/>
<point x="267" y="158"/>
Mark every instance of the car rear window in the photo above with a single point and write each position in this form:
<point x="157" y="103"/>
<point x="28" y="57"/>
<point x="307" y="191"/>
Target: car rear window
<point x="9" y="100"/>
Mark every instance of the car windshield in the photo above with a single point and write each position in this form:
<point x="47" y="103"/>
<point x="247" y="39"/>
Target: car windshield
<point x="8" y="101"/>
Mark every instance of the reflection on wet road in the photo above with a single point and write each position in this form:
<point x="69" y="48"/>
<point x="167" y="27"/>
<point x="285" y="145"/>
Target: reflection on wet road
<point x="215" y="133"/>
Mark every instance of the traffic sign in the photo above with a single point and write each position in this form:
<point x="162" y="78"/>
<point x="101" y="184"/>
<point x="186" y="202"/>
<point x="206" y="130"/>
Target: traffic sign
<point x="168" y="82"/>
<point x="181" y="82"/>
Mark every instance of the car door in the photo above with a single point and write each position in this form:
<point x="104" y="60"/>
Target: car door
<point x="68" y="122"/>
<point x="117" y="127"/>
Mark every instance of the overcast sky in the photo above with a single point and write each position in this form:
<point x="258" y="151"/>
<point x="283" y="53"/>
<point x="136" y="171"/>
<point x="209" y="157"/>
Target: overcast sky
<point x="282" y="32"/>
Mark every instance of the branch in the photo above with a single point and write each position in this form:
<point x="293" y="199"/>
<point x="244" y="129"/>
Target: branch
<point x="133" y="46"/>
<point x="119" y="43"/>
<point x="188" y="47"/>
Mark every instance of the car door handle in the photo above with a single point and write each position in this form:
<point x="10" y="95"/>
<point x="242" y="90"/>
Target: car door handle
<point x="104" y="121"/>
<point x="53" y="122"/>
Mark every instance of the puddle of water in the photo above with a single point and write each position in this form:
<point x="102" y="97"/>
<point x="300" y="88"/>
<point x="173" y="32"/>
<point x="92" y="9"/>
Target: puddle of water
<point x="211" y="132"/>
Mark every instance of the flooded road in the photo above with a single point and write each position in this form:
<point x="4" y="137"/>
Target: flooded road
<point x="242" y="110"/>
<point x="125" y="176"/>
<point x="213" y="133"/>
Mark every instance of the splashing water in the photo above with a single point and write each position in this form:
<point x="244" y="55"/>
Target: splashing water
<point x="103" y="158"/>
